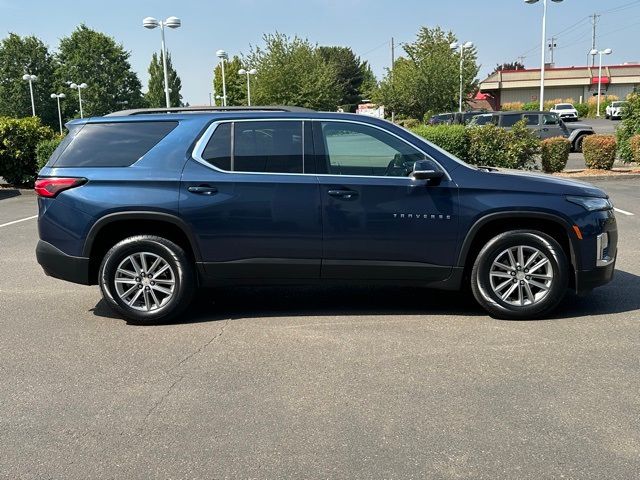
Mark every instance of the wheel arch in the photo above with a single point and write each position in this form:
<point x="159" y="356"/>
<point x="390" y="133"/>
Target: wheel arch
<point x="110" y="229"/>
<point x="493" y="224"/>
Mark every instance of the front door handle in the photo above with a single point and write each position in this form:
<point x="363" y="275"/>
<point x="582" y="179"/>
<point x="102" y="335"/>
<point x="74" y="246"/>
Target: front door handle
<point x="203" y="189"/>
<point x="344" y="194"/>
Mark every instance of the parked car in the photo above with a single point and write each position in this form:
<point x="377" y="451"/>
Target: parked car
<point x="455" y="118"/>
<point x="566" y="111"/>
<point x="545" y="124"/>
<point x="614" y="110"/>
<point x="152" y="204"/>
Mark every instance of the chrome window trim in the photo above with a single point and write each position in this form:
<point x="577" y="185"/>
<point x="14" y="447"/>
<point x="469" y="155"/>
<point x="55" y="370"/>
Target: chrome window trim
<point x="201" y="144"/>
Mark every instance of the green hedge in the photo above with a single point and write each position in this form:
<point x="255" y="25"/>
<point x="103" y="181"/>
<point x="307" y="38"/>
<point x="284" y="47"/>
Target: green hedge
<point x="554" y="154"/>
<point x="18" y="140"/>
<point x="629" y="126"/>
<point x="634" y="145"/>
<point x="583" y="109"/>
<point x="452" y="138"/>
<point x="45" y="149"/>
<point x="487" y="145"/>
<point x="599" y="151"/>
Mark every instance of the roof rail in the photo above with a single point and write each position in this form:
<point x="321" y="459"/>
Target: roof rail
<point x="205" y="109"/>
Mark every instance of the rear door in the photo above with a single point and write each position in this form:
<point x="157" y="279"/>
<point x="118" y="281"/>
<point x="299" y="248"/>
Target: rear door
<point x="252" y="198"/>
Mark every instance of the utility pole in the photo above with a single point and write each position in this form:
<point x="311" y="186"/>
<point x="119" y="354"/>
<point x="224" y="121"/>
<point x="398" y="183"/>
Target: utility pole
<point x="552" y="46"/>
<point x="393" y="61"/>
<point x="594" y="22"/>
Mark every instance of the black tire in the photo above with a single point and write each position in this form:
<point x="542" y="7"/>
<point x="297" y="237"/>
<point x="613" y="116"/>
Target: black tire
<point x="606" y="117"/>
<point x="577" y="145"/>
<point x="181" y="269"/>
<point x="492" y="302"/>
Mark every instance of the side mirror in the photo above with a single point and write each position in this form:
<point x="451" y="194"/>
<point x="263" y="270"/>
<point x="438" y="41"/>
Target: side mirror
<point x="427" y="170"/>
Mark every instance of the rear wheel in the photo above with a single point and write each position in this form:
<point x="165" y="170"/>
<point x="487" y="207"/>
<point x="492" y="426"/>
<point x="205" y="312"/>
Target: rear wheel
<point x="147" y="279"/>
<point x="520" y="275"/>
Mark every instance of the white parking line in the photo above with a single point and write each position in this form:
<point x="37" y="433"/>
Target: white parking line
<point x="18" y="221"/>
<point x="624" y="212"/>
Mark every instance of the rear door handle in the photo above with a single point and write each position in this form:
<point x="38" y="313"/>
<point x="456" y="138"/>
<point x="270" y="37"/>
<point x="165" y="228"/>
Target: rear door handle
<point x="345" y="194"/>
<point x="203" y="189"/>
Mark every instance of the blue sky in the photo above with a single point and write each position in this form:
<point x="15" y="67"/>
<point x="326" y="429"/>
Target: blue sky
<point x="501" y="29"/>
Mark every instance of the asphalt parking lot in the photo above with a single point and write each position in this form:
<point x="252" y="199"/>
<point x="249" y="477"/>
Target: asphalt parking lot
<point x="316" y="383"/>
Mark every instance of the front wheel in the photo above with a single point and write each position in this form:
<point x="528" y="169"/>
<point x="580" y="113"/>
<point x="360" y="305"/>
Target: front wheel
<point x="577" y="146"/>
<point x="147" y="279"/>
<point x="520" y="275"/>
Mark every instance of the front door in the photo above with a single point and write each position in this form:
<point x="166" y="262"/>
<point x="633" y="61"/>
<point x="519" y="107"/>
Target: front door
<point x="252" y="199"/>
<point x="379" y="223"/>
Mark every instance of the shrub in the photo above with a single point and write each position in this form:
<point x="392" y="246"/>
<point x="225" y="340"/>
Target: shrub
<point x="496" y="147"/>
<point x="45" y="148"/>
<point x="583" y="109"/>
<point x="510" y="106"/>
<point x="452" y="138"/>
<point x="531" y="106"/>
<point x="599" y="151"/>
<point x="629" y="127"/>
<point x="634" y="145"/>
<point x="554" y="153"/>
<point x="408" y="122"/>
<point x="18" y="140"/>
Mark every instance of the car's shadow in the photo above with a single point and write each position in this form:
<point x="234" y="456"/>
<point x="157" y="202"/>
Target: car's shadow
<point x="621" y="295"/>
<point x="9" y="193"/>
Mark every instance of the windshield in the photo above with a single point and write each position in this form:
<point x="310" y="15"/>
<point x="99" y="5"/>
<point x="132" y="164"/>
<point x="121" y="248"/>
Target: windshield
<point x="564" y="106"/>
<point x="618" y="104"/>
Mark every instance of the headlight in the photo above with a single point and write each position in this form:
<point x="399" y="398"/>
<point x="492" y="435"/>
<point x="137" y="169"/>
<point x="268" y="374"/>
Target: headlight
<point x="592" y="204"/>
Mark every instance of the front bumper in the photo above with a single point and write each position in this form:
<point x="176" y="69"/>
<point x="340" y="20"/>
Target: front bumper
<point x="58" y="264"/>
<point x="587" y="280"/>
<point x="599" y="257"/>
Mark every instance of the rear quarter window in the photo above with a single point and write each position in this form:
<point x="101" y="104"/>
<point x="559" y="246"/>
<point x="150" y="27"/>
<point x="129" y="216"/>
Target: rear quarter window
<point x="118" y="144"/>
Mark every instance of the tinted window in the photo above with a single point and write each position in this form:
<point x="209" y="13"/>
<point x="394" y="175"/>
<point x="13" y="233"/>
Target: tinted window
<point x="354" y="149"/>
<point x="510" y="120"/>
<point x="548" y="119"/>
<point x="113" y="144"/>
<point x="218" y="149"/>
<point x="532" y="119"/>
<point x="482" y="119"/>
<point x="268" y="146"/>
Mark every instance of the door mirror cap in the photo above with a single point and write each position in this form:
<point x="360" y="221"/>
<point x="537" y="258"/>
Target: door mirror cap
<point x="427" y="170"/>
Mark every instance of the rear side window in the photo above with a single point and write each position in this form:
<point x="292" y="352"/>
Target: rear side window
<point x="510" y="120"/>
<point x="113" y="144"/>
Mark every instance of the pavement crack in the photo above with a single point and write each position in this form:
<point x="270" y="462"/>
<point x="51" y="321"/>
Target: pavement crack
<point x="180" y="377"/>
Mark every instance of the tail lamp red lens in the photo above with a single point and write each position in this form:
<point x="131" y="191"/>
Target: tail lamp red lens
<point x="49" y="187"/>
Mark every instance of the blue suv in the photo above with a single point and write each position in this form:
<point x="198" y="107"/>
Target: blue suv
<point x="152" y="204"/>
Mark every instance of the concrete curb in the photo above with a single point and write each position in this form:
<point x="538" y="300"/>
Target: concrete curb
<point x="586" y="178"/>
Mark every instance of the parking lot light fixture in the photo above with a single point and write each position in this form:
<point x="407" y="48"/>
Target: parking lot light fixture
<point x="31" y="78"/>
<point x="171" y="22"/>
<point x="222" y="55"/>
<point x="543" y="46"/>
<point x="606" y="51"/>
<point x="58" y="96"/>
<point x="248" y="73"/>
<point x="461" y="47"/>
<point x="79" y="87"/>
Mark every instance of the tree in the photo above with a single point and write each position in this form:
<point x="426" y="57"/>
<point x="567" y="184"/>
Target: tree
<point x="236" y="84"/>
<point x="427" y="79"/>
<point x="369" y="84"/>
<point x="350" y="71"/>
<point x="96" y="59"/>
<point x="291" y="71"/>
<point x="155" y="97"/>
<point x="509" y="66"/>
<point x="20" y="55"/>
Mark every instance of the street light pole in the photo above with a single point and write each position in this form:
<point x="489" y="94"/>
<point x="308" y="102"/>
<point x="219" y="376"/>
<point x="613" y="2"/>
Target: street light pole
<point x="79" y="87"/>
<point x="58" y="96"/>
<point x="171" y="22"/>
<point x="253" y="71"/>
<point x="31" y="78"/>
<point x="222" y="55"/>
<point x="606" y="51"/>
<point x="462" y="46"/>
<point x="543" y="46"/>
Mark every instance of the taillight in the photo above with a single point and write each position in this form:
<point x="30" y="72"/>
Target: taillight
<point x="51" y="186"/>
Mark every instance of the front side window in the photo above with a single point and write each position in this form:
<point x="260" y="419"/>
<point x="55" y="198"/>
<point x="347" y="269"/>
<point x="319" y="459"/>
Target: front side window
<point x="532" y="119"/>
<point x="257" y="146"/>
<point x="356" y="149"/>
<point x="549" y="119"/>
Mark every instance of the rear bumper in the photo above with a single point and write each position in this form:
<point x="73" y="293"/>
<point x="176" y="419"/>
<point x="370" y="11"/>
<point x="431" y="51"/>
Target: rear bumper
<point x="58" y="264"/>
